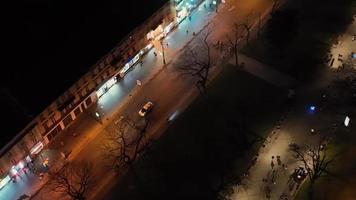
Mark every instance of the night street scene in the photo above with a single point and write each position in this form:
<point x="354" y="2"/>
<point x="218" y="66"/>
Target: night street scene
<point x="178" y="100"/>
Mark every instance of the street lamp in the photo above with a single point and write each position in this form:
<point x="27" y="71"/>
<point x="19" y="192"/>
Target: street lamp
<point x="216" y="5"/>
<point x="164" y="58"/>
<point x="98" y="117"/>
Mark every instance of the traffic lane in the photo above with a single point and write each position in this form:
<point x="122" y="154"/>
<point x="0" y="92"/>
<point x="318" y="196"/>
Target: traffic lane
<point x="157" y="116"/>
<point x="108" y="103"/>
<point x="162" y="91"/>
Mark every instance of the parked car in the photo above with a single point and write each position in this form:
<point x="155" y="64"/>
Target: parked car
<point x="145" y="109"/>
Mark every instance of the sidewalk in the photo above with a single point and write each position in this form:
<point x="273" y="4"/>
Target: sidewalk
<point x="265" y="72"/>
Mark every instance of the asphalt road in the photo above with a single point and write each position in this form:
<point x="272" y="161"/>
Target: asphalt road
<point x="163" y="85"/>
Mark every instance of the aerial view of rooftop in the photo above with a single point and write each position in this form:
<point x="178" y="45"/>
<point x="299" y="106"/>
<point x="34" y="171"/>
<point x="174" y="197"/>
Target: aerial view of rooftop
<point x="178" y="100"/>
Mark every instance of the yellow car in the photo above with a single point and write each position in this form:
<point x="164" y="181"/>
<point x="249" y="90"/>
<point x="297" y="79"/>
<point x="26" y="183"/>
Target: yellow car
<point x="145" y="109"/>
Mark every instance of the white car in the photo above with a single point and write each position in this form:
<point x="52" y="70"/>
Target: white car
<point x="145" y="109"/>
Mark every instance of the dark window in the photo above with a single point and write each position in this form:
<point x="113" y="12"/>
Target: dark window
<point x="77" y="111"/>
<point x="54" y="132"/>
<point x="67" y="120"/>
<point x="88" y="101"/>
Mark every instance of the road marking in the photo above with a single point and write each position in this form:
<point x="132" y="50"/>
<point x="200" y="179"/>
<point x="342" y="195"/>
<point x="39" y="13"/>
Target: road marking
<point x="232" y="8"/>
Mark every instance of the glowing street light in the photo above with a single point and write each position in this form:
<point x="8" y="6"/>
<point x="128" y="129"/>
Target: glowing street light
<point x="312" y="108"/>
<point x="347" y="121"/>
<point x="98" y="117"/>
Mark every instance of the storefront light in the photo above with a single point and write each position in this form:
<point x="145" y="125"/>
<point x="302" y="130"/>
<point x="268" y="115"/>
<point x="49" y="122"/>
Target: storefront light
<point x="168" y="28"/>
<point x="179" y="6"/>
<point x="37" y="148"/>
<point x="4" y="181"/>
<point x="148" y="47"/>
<point x="21" y="165"/>
<point x="13" y="171"/>
<point x="106" y="86"/>
<point x="111" y="82"/>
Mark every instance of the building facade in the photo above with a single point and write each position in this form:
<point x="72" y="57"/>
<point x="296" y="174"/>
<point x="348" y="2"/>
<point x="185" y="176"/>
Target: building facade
<point x="60" y="114"/>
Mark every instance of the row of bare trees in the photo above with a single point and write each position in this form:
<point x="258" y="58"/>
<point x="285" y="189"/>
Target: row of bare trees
<point x="74" y="180"/>
<point x="126" y="141"/>
<point x="315" y="160"/>
<point x="199" y="61"/>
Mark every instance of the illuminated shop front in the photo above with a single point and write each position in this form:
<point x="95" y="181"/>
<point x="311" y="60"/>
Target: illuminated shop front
<point x="4" y="181"/>
<point x="160" y="32"/>
<point x="134" y="60"/>
<point x="106" y="86"/>
<point x="156" y="34"/>
<point x="181" y="15"/>
<point x="184" y="8"/>
<point x="17" y="169"/>
<point x="37" y="148"/>
<point x="168" y="28"/>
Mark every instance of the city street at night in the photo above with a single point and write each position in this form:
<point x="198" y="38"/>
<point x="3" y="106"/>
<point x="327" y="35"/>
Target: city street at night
<point x="220" y="100"/>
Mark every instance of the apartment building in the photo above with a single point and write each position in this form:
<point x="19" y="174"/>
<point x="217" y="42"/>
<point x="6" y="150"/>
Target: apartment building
<point x="84" y="93"/>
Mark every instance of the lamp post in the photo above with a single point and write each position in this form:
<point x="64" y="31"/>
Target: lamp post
<point x="216" y="5"/>
<point x="164" y="58"/>
<point x="98" y="117"/>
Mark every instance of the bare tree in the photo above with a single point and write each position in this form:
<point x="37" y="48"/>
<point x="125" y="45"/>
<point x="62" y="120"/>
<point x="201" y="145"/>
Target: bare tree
<point x="315" y="162"/>
<point x="233" y="42"/>
<point x="274" y="6"/>
<point x="198" y="63"/>
<point x="72" y="180"/>
<point x="125" y="142"/>
<point x="247" y="27"/>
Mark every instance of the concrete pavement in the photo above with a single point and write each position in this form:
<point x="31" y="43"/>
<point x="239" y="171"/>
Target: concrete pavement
<point x="265" y="72"/>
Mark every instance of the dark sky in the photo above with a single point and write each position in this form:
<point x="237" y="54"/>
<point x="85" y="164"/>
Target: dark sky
<point x="48" y="45"/>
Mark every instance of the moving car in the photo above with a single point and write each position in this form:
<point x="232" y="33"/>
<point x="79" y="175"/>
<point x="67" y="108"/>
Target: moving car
<point x="145" y="109"/>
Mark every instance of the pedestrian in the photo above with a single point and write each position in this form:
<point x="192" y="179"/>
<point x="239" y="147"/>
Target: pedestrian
<point x="187" y="32"/>
<point x="272" y="164"/>
<point x="279" y="160"/>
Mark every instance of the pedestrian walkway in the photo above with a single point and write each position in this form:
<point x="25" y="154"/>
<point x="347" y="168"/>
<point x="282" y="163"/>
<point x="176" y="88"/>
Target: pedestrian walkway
<point x="265" y="72"/>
